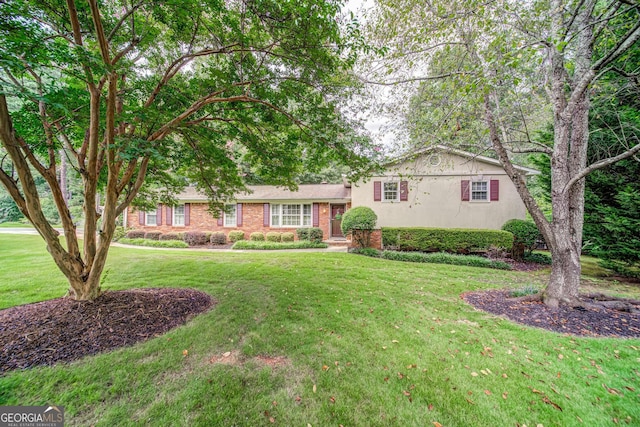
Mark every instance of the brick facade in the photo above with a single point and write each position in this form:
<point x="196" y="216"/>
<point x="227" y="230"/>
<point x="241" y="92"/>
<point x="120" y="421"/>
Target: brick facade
<point x="253" y="219"/>
<point x="375" y="241"/>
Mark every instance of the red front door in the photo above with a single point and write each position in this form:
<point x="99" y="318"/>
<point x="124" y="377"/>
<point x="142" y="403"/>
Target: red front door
<point x="336" y="211"/>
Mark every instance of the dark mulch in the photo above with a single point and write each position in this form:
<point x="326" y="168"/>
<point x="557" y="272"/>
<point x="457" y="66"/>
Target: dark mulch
<point x="63" y="330"/>
<point x="574" y="321"/>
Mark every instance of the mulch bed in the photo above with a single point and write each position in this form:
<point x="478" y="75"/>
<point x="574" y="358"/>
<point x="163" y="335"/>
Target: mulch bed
<point x="574" y="321"/>
<point x="63" y="330"/>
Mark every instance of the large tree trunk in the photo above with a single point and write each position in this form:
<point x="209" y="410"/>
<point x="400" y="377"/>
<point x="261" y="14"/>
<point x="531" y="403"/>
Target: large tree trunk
<point x="564" y="282"/>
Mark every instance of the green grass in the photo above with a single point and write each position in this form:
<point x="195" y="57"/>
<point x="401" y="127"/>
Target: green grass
<point x="369" y="342"/>
<point x="16" y="224"/>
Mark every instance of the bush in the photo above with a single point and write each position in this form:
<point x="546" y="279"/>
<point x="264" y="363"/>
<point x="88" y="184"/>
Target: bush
<point x="316" y="235"/>
<point x="374" y="253"/>
<point x="236" y="236"/>
<point x="152" y="235"/>
<point x="445" y="258"/>
<point x="454" y="240"/>
<point x="256" y="237"/>
<point x="195" y="238"/>
<point x="300" y="244"/>
<point x="135" y="234"/>
<point x="623" y="269"/>
<point x="119" y="233"/>
<point x="154" y="243"/>
<point x="288" y="237"/>
<point x="274" y="236"/>
<point x="359" y="222"/>
<point x="170" y="236"/>
<point x="525" y="236"/>
<point x="218" y="238"/>
<point x="303" y="233"/>
<point x="538" y="258"/>
<point x="313" y="234"/>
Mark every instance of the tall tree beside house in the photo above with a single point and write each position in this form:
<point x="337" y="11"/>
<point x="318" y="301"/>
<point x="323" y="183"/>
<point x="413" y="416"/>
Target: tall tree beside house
<point x="612" y="194"/>
<point x="144" y="91"/>
<point x="502" y="62"/>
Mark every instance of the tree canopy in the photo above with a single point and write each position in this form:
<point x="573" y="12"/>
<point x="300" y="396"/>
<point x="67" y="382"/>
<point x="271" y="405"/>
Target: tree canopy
<point x="166" y="92"/>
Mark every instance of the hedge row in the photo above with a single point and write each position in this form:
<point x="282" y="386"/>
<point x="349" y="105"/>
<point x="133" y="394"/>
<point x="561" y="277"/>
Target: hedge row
<point x="153" y="243"/>
<point x="453" y="240"/>
<point x="445" y="258"/>
<point x="197" y="238"/>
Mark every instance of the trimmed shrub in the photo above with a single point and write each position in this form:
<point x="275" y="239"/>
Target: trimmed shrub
<point x="538" y="258"/>
<point x="135" y="234"/>
<point x="236" y="236"/>
<point x="287" y="237"/>
<point x="313" y="234"/>
<point x="218" y="238"/>
<point x="525" y="236"/>
<point x="300" y="244"/>
<point x="207" y="235"/>
<point x="445" y="258"/>
<point x="256" y="237"/>
<point x="195" y="238"/>
<point x="170" y="236"/>
<point x="359" y="221"/>
<point x="152" y="235"/>
<point x="453" y="240"/>
<point x="274" y="236"/>
<point x="303" y="233"/>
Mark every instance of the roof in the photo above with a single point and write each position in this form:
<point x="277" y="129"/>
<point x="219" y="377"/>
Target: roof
<point x="270" y="193"/>
<point x="461" y="153"/>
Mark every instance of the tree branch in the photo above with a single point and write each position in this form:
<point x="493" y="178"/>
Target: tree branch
<point x="601" y="164"/>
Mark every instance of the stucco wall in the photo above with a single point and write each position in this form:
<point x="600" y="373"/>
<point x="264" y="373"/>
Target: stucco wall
<point x="434" y="198"/>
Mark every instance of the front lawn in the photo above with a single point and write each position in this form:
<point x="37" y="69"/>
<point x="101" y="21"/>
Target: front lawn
<point x="324" y="339"/>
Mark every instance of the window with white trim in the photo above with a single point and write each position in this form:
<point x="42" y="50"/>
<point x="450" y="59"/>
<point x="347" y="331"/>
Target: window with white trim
<point x="151" y="218"/>
<point x="391" y="192"/>
<point x="178" y="215"/>
<point x="230" y="215"/>
<point x="290" y="215"/>
<point x="479" y="191"/>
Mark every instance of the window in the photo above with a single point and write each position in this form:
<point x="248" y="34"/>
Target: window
<point x="151" y="218"/>
<point x="289" y="215"/>
<point x="178" y="215"/>
<point x="230" y="218"/>
<point x="390" y="192"/>
<point x="479" y="191"/>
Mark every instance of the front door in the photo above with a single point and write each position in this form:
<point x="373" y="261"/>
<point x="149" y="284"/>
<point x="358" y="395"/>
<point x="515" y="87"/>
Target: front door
<point x="336" y="220"/>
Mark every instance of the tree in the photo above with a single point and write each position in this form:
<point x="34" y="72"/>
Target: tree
<point x="142" y="96"/>
<point x="500" y="60"/>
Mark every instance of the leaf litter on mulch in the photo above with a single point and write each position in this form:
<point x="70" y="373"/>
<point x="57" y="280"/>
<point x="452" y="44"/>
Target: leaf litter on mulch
<point x="63" y="330"/>
<point x="579" y="321"/>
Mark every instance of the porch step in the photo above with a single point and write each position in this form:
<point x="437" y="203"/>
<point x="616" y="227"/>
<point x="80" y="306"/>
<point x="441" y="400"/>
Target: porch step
<point x="338" y="242"/>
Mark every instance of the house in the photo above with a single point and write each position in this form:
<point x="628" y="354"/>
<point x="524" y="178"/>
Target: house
<point x="442" y="187"/>
<point x="265" y="208"/>
<point x="436" y="187"/>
